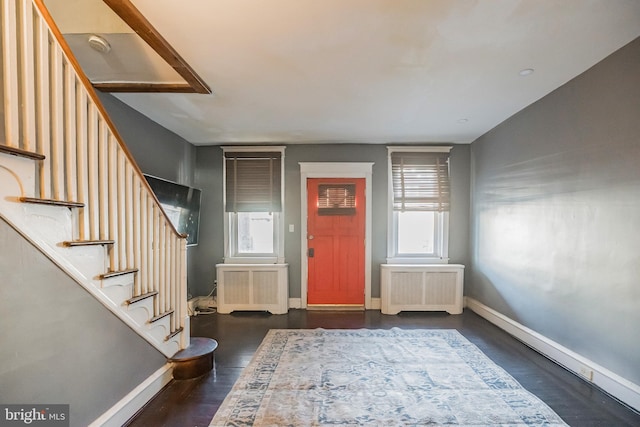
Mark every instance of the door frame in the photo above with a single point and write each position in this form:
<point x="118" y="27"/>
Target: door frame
<point x="335" y="170"/>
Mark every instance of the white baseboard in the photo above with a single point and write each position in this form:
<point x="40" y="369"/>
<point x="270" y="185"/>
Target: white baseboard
<point x="295" y="303"/>
<point x="375" y="304"/>
<point x="129" y="405"/>
<point x="618" y="387"/>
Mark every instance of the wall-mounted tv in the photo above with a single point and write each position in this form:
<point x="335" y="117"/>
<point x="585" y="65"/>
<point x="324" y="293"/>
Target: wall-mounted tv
<point x="181" y="204"/>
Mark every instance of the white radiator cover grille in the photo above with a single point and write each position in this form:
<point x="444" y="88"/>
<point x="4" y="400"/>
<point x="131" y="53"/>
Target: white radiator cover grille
<point x="262" y="287"/>
<point x="422" y="287"/>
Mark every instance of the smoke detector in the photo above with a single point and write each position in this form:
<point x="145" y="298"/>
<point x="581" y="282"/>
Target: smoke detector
<point x="99" y="44"/>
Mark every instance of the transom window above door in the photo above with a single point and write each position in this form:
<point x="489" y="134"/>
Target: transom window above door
<point x="337" y="199"/>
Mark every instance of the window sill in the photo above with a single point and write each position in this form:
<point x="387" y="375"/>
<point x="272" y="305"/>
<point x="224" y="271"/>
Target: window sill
<point x="254" y="260"/>
<point x="417" y="260"/>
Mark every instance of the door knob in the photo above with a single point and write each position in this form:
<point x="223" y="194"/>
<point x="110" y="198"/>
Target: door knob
<point x="310" y="236"/>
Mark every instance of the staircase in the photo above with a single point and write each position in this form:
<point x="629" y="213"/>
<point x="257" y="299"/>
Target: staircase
<point x="70" y="186"/>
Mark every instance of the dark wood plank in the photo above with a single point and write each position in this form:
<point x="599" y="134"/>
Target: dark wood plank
<point x="194" y="402"/>
<point x="51" y="202"/>
<point x="160" y="316"/>
<point x="111" y="274"/>
<point x="72" y="243"/>
<point x="174" y="333"/>
<point x="141" y="297"/>
<point x="20" y="152"/>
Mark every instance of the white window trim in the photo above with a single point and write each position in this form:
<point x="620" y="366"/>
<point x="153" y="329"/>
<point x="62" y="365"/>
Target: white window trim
<point x="230" y="256"/>
<point x="443" y="243"/>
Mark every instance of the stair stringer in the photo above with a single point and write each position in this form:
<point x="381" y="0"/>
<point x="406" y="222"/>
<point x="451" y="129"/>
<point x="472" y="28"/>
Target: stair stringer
<point x="46" y="227"/>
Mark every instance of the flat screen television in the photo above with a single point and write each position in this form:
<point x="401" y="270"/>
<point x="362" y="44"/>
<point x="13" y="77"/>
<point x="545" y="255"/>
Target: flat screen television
<point x="181" y="204"/>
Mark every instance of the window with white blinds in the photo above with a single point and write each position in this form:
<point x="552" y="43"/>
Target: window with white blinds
<point x="253" y="181"/>
<point x="420" y="181"/>
<point x="419" y="204"/>
<point x="253" y="204"/>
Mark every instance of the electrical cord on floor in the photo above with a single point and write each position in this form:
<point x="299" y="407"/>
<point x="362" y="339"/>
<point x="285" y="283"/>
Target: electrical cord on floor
<point x="207" y="310"/>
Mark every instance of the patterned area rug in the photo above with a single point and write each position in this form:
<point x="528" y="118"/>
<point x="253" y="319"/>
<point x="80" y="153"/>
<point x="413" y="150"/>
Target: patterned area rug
<point x="377" y="378"/>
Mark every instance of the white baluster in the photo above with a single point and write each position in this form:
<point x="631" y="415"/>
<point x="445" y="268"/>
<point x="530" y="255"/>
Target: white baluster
<point x="70" y="137"/>
<point x="103" y="193"/>
<point x="10" y="72"/>
<point x="136" y="234"/>
<point x="44" y="113"/>
<point x="144" y="242"/>
<point x="93" y="162"/>
<point x="129" y="214"/>
<point x="57" y="124"/>
<point x="121" y="213"/>
<point x="81" y="158"/>
<point x="28" y="98"/>
<point x="156" y="258"/>
<point x="112" y="213"/>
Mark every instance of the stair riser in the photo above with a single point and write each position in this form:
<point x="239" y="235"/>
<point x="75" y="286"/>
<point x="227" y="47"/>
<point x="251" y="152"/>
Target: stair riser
<point x="140" y="312"/>
<point x="17" y="175"/>
<point x="159" y="331"/>
<point x="53" y="223"/>
<point x="123" y="280"/>
<point x="118" y="294"/>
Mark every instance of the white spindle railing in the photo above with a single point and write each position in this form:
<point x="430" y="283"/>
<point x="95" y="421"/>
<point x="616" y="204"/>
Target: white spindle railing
<point x="51" y="108"/>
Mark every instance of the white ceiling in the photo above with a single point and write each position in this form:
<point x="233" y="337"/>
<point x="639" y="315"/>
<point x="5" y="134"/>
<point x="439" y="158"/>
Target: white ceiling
<point x="370" y="71"/>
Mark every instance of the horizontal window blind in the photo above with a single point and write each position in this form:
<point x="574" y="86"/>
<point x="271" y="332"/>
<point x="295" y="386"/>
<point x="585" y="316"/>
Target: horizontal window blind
<point x="253" y="181"/>
<point x="420" y="181"/>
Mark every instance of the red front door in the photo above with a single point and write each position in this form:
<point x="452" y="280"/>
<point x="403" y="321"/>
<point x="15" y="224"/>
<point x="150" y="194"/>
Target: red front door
<point x="335" y="241"/>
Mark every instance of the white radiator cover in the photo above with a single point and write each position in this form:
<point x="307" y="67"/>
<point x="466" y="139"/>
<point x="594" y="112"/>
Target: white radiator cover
<point x="419" y="287"/>
<point x="253" y="287"/>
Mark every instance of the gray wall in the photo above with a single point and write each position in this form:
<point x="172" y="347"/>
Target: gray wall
<point x="208" y="177"/>
<point x="210" y="249"/>
<point x="158" y="151"/>
<point x="556" y="200"/>
<point x="59" y="344"/>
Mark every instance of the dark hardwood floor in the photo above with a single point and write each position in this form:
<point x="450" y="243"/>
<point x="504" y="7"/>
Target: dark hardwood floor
<point x="194" y="402"/>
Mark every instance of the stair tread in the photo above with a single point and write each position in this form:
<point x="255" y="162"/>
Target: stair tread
<point x="160" y="316"/>
<point x="141" y="297"/>
<point x="174" y="333"/>
<point x="53" y="202"/>
<point x="87" y="242"/>
<point x="110" y="274"/>
<point x="21" y="153"/>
